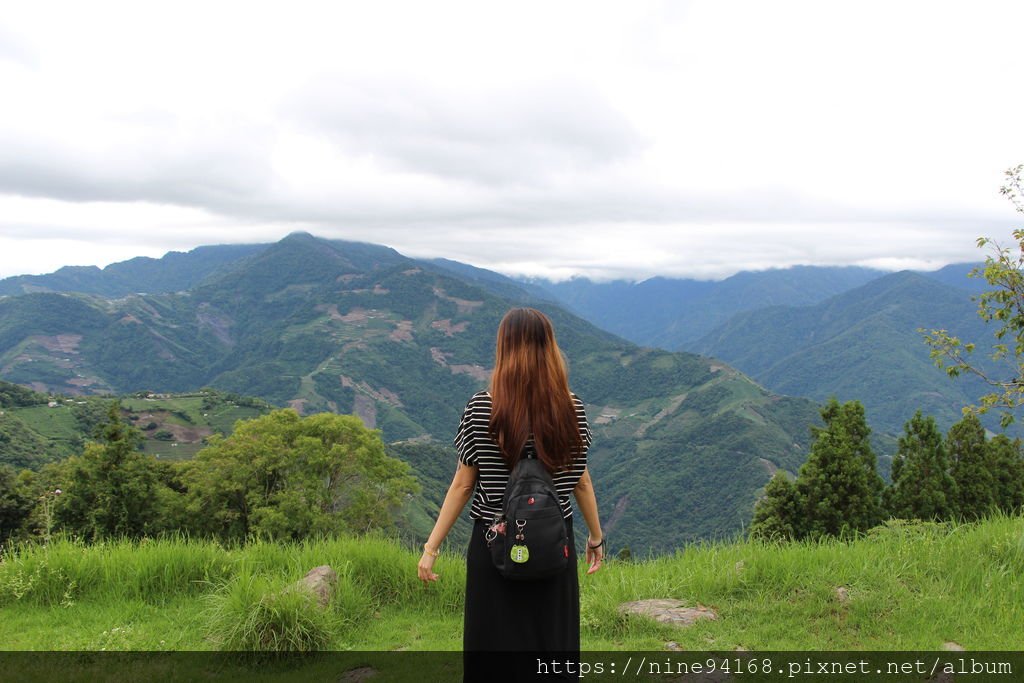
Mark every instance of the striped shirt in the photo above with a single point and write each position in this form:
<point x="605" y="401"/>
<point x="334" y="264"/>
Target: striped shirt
<point x="476" y="447"/>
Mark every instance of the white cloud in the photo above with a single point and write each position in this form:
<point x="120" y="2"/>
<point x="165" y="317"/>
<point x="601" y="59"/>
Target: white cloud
<point x="607" y="139"/>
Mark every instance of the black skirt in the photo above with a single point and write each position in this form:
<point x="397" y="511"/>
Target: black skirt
<point x="510" y="625"/>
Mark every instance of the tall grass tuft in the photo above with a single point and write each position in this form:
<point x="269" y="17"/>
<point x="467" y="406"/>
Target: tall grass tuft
<point x="254" y="612"/>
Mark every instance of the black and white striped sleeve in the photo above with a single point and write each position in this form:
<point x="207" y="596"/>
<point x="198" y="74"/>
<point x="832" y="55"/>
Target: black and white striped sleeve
<point x="584" y="424"/>
<point x="465" y="438"/>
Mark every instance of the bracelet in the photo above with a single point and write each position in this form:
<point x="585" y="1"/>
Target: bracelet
<point x="595" y="547"/>
<point x="428" y="551"/>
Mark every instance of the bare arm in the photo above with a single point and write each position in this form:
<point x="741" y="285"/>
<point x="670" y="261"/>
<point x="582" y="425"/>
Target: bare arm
<point x="455" y="500"/>
<point x="587" y="502"/>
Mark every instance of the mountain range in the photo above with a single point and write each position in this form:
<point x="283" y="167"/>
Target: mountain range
<point x="176" y="271"/>
<point x="672" y="313"/>
<point x="816" y="332"/>
<point x="862" y="344"/>
<point x="683" y="442"/>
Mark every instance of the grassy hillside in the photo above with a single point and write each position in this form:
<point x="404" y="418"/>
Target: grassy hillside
<point x="173" y="426"/>
<point x="907" y="587"/>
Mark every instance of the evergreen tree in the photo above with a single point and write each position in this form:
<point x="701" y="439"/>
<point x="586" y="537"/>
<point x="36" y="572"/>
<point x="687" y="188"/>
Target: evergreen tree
<point x="975" y="485"/>
<point x="777" y="514"/>
<point x="922" y="487"/>
<point x="838" y="488"/>
<point x="854" y="420"/>
<point x="1006" y="464"/>
<point x="111" y="489"/>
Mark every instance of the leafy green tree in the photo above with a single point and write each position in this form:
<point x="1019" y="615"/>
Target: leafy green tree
<point x="282" y="476"/>
<point x="13" y="395"/>
<point x="16" y="503"/>
<point x="1004" y="304"/>
<point x="1006" y="463"/>
<point x="922" y="487"/>
<point x="111" y="489"/>
<point x="969" y="467"/>
<point x="777" y="513"/>
<point x="90" y="414"/>
<point x="838" y="487"/>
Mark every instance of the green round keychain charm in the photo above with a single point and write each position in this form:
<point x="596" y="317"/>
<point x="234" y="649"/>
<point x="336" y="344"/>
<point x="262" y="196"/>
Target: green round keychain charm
<point x="520" y="554"/>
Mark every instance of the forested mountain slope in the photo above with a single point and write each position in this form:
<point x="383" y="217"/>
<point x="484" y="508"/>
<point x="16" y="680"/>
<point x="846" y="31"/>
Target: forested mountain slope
<point x="863" y="344"/>
<point x="174" y="272"/>
<point x="683" y="442"/>
<point x="673" y="313"/>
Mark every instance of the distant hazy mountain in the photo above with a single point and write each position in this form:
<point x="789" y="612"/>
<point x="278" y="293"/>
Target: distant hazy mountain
<point x="958" y="275"/>
<point x="683" y="443"/>
<point x="673" y="313"/>
<point x="862" y="344"/>
<point x="174" y="272"/>
<point x="495" y="283"/>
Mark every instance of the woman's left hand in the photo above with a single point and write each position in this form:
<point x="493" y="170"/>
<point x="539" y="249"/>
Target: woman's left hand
<point x="425" y="569"/>
<point x="594" y="556"/>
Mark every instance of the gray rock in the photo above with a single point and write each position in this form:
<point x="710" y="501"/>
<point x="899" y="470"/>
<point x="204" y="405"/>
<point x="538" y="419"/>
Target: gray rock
<point x="668" y="611"/>
<point x="320" y="581"/>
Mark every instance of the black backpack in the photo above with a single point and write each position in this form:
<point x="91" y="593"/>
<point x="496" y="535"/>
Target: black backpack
<point x="528" y="539"/>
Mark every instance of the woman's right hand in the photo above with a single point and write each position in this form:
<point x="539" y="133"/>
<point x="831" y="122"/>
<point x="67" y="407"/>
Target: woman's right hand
<point x="594" y="555"/>
<point x="425" y="569"/>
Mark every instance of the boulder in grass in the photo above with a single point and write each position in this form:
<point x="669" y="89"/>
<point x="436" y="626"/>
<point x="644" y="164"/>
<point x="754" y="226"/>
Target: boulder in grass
<point x="320" y="581"/>
<point x="668" y="611"/>
<point x="356" y="675"/>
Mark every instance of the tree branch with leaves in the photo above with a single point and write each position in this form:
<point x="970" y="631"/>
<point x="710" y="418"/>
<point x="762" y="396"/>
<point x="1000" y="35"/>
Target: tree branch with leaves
<point x="1004" y="305"/>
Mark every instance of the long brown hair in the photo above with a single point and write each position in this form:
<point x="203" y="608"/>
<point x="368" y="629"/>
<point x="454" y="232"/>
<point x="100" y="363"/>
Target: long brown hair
<point x="530" y="392"/>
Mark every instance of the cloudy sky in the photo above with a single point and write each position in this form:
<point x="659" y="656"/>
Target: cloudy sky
<point x="619" y="139"/>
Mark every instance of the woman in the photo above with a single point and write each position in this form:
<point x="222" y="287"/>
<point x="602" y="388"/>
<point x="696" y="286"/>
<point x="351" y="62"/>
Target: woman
<point x="529" y="411"/>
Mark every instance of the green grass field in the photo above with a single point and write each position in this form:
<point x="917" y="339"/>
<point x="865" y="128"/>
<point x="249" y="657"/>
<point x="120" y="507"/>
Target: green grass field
<point x="908" y="587"/>
<point x="54" y="423"/>
<point x="169" y="450"/>
<point x="186" y="412"/>
<point x="221" y="418"/>
<point x="59" y="426"/>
